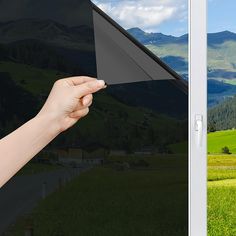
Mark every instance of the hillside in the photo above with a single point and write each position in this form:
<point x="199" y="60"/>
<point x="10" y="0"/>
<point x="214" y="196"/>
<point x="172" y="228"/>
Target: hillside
<point x="218" y="91"/>
<point x="223" y="116"/>
<point x="126" y="123"/>
<point x="221" y="58"/>
<point x="220" y="139"/>
<point x="48" y="31"/>
<point x="221" y="50"/>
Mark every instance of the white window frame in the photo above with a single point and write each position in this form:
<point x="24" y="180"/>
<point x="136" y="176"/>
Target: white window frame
<point x="197" y="117"/>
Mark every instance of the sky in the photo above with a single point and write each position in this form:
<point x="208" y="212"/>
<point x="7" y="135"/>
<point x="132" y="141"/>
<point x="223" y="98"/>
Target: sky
<point x="166" y="16"/>
<point x="169" y="17"/>
<point x="221" y="15"/>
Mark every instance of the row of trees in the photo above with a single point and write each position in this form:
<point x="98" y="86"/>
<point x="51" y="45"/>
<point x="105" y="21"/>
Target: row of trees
<point x="223" y="116"/>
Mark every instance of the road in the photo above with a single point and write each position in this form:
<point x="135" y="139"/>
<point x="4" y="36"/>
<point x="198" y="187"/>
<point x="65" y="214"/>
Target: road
<point x="20" y="195"/>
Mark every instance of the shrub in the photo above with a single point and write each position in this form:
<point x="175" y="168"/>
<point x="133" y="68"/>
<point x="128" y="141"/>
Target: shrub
<point x="225" y="150"/>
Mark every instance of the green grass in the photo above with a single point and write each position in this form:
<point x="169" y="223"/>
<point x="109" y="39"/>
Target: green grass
<point x="34" y="168"/>
<point x="181" y="147"/>
<point x="220" y="56"/>
<point x="220" y="139"/>
<point x="221" y="210"/>
<point x="32" y="79"/>
<point x="170" y="49"/>
<point x="227" y="81"/>
<point x="106" y="202"/>
<point x="222" y="184"/>
<point x="221" y="195"/>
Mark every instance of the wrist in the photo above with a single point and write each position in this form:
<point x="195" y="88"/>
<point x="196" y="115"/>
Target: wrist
<point x="50" y="122"/>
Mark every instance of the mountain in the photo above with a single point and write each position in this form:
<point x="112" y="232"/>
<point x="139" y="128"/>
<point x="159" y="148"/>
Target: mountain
<point x="174" y="51"/>
<point x="219" y="91"/>
<point x="221" y="58"/>
<point x="223" y="116"/>
<point x="160" y="39"/>
<point x="220" y="37"/>
<point x="49" y="31"/>
<point x="47" y="44"/>
<point x="156" y="38"/>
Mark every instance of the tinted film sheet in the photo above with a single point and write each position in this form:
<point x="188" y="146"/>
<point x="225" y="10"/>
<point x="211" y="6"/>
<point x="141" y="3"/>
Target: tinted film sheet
<point x="142" y="181"/>
<point x="40" y="42"/>
<point x="123" y="170"/>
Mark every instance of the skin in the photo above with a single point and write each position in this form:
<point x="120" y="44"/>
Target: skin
<point x="68" y="102"/>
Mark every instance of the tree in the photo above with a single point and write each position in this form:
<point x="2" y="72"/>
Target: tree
<point x="211" y="126"/>
<point x="225" y="150"/>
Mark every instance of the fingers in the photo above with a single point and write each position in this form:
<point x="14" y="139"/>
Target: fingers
<point x="87" y="100"/>
<point x="77" y="80"/>
<point x="89" y="87"/>
<point x="84" y="102"/>
<point x="80" y="113"/>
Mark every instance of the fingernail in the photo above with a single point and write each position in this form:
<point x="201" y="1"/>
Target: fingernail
<point x="105" y="86"/>
<point x="101" y="83"/>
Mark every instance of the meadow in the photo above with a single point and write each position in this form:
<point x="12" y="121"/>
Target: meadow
<point x="221" y="195"/>
<point x="222" y="184"/>
<point x="218" y="140"/>
<point x="106" y="201"/>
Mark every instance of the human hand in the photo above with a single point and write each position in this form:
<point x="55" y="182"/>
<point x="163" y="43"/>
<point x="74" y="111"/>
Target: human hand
<point x="69" y="100"/>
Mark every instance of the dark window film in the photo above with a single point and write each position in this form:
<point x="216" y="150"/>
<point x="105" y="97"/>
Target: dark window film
<point x="123" y="170"/>
<point x="40" y="42"/>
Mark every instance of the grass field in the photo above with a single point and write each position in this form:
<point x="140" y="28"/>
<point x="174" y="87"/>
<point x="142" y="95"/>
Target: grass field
<point x="221" y="195"/>
<point x="228" y="81"/>
<point x="31" y="78"/>
<point x="220" y="139"/>
<point x="105" y="201"/>
<point x="34" y="168"/>
<point x="222" y="184"/>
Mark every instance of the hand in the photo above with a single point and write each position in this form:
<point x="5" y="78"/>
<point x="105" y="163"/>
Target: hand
<point x="69" y="100"/>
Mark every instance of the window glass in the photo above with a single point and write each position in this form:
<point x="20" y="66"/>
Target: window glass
<point x="162" y="26"/>
<point x="123" y="169"/>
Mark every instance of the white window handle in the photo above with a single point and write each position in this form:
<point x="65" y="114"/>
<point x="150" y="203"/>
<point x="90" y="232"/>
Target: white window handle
<point x="199" y="129"/>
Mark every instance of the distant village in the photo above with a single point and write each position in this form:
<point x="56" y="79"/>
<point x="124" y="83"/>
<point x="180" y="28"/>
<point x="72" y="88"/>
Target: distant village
<point x="93" y="154"/>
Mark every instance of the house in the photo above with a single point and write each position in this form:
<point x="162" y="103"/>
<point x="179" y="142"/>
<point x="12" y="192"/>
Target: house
<point x="92" y="154"/>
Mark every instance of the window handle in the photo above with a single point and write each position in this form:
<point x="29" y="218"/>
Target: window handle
<point x="199" y="129"/>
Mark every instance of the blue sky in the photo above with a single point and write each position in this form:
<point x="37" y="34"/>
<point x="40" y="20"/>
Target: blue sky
<point x="168" y="16"/>
<point x="221" y="15"/>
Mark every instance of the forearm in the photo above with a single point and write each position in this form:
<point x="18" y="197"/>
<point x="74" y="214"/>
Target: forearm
<point x="23" y="144"/>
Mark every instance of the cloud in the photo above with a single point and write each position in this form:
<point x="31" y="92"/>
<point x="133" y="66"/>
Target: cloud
<point x="145" y="14"/>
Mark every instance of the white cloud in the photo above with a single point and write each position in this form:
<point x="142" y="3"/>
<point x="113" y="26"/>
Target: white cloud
<point x="145" y="14"/>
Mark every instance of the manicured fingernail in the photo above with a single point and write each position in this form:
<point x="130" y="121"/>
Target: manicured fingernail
<point x="101" y="83"/>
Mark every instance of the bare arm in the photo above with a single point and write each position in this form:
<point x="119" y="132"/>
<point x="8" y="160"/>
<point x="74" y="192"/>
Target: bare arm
<point x="68" y="102"/>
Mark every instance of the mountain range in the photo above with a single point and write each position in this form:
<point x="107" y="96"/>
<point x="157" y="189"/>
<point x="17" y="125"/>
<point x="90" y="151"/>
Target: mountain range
<point x="173" y="50"/>
<point x="50" y="45"/>
<point x="221" y="59"/>
<point x="160" y="39"/>
<point x="58" y="45"/>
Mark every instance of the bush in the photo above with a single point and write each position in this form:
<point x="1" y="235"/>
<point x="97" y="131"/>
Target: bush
<point x="225" y="150"/>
